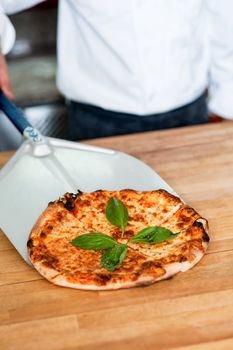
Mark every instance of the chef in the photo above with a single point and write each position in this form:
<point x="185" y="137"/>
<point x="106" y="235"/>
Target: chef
<point x="137" y="65"/>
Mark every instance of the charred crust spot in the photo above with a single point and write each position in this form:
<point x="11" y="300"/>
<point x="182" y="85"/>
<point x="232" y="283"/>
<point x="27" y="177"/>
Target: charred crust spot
<point x="147" y="264"/>
<point x="43" y="234"/>
<point x="151" y="264"/>
<point x="68" y="197"/>
<point x="116" y="234"/>
<point x="180" y="225"/>
<point x="69" y="205"/>
<point x="183" y="248"/>
<point x="196" y="244"/>
<point x="138" y="217"/>
<point x="135" y="276"/>
<point x="182" y="258"/>
<point x="158" y="265"/>
<point x="167" y="194"/>
<point x="206" y="238"/>
<point x="103" y="278"/>
<point x="160" y="191"/>
<point x="59" y="216"/>
<point x="98" y="191"/>
<point x="101" y="207"/>
<point x="184" y="219"/>
<point x="30" y="243"/>
<point x="198" y="224"/>
<point x="73" y="195"/>
<point x="50" y="261"/>
<point x="129" y="233"/>
<point x="49" y="227"/>
<point x="189" y="210"/>
<point x="130" y="207"/>
<point x="127" y="191"/>
<point x="79" y="193"/>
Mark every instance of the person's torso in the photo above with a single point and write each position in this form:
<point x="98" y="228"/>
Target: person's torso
<point x="136" y="56"/>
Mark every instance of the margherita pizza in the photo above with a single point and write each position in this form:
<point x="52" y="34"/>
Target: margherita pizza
<point x="116" y="239"/>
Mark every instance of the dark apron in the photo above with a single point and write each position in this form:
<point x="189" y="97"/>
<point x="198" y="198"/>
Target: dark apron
<point x="87" y="121"/>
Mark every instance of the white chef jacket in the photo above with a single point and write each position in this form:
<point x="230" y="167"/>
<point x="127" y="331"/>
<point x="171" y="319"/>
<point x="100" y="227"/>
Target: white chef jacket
<point x="141" y="56"/>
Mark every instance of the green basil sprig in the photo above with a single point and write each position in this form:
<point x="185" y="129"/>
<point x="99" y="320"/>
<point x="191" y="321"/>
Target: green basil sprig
<point x="117" y="213"/>
<point x="153" y="234"/>
<point x="94" y="241"/>
<point x="114" y="252"/>
<point x="114" y="256"/>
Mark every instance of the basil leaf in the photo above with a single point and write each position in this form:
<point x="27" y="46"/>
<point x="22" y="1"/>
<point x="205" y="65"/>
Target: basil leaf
<point x="145" y="235"/>
<point x="154" y="234"/>
<point x="163" y="234"/>
<point x="117" y="213"/>
<point x="94" y="241"/>
<point x="114" y="256"/>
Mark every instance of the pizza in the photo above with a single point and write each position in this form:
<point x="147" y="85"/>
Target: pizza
<point x="160" y="237"/>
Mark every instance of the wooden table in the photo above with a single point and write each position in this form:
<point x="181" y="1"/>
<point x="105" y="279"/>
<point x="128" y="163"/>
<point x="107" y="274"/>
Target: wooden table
<point x="194" y="310"/>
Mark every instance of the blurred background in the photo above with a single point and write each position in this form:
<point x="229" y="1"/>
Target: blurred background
<point x="32" y="69"/>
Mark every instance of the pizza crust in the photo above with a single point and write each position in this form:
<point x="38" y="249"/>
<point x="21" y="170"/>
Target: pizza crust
<point x="170" y="270"/>
<point x="62" y="264"/>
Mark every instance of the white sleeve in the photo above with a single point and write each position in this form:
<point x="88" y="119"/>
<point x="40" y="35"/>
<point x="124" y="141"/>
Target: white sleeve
<point x="220" y="35"/>
<point x="7" y="32"/>
<point x="13" y="6"/>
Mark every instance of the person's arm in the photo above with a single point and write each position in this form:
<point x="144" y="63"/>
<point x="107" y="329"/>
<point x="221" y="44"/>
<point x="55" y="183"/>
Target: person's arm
<point x="7" y="37"/>
<point x="5" y="85"/>
<point x="220" y="41"/>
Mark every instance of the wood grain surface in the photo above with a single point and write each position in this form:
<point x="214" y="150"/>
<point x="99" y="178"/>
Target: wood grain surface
<point x="192" y="311"/>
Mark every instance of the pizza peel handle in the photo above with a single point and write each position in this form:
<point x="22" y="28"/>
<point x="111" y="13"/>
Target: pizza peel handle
<point x="16" y="116"/>
<point x="13" y="113"/>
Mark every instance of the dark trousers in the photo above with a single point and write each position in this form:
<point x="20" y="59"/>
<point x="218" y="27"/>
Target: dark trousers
<point x="87" y="121"/>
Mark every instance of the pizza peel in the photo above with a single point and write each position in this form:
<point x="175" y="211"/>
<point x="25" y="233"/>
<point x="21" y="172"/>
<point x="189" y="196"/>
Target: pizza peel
<point x="45" y="168"/>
